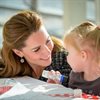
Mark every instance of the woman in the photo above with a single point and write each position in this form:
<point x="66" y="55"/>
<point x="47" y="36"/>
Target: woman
<point x="28" y="49"/>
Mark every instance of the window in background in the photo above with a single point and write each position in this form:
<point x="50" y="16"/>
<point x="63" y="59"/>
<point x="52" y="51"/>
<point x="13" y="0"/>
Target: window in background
<point x="91" y="10"/>
<point x="14" y="4"/>
<point x="52" y="13"/>
<point x="9" y="8"/>
<point x="50" y="6"/>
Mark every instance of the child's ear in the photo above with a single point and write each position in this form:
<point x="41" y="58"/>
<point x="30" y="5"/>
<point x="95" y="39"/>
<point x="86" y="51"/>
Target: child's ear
<point x="18" y="52"/>
<point x="84" y="55"/>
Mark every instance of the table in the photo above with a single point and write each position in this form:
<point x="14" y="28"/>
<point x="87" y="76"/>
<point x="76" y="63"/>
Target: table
<point x="32" y="89"/>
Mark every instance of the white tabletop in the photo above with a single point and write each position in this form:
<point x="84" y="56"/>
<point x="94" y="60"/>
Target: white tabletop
<point x="32" y="89"/>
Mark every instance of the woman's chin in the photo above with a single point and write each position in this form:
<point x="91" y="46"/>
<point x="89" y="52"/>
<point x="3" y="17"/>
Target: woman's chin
<point x="47" y="63"/>
<point x="76" y="71"/>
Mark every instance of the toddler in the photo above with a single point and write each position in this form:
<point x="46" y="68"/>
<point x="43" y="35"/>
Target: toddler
<point x="83" y="46"/>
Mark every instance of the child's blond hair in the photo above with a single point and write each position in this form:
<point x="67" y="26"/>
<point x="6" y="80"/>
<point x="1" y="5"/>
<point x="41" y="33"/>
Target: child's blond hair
<point x="85" y="35"/>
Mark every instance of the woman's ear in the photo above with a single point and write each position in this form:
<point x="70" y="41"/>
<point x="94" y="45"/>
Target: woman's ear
<point x="84" y="55"/>
<point x="18" y="52"/>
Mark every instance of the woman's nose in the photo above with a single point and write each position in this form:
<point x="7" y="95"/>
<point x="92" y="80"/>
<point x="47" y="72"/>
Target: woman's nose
<point x="46" y="50"/>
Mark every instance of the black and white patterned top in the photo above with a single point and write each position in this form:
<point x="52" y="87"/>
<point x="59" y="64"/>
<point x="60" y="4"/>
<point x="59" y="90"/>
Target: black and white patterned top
<point x="60" y="64"/>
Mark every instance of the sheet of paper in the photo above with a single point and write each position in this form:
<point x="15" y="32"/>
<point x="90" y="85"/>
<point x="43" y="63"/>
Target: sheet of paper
<point x="17" y="89"/>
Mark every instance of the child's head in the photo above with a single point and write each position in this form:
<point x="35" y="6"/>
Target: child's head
<point x="83" y="45"/>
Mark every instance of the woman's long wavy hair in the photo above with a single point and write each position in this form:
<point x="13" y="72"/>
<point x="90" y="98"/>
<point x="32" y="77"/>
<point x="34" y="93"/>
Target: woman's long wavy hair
<point x="15" y="31"/>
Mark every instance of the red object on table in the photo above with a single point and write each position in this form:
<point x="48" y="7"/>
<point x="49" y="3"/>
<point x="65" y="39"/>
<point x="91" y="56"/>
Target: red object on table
<point x="93" y="97"/>
<point x="4" y="89"/>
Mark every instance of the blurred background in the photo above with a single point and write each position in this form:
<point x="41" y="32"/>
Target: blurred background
<point x="58" y="15"/>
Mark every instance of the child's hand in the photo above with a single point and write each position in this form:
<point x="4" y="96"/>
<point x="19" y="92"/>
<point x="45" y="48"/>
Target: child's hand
<point x="53" y="79"/>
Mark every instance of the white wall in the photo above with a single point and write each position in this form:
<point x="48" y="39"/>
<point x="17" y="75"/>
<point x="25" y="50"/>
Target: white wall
<point x="74" y="12"/>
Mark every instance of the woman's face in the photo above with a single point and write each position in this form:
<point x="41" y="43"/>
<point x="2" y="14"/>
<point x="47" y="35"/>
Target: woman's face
<point x="38" y="48"/>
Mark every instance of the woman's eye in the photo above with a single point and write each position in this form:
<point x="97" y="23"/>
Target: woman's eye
<point x="48" y="41"/>
<point x="36" y="50"/>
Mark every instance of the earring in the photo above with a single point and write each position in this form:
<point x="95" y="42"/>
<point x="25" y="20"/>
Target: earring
<point x="22" y="60"/>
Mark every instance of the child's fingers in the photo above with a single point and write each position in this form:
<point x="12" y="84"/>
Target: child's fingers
<point x="50" y="81"/>
<point x="57" y="73"/>
<point x="52" y="72"/>
<point x="53" y="81"/>
<point x="53" y="77"/>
